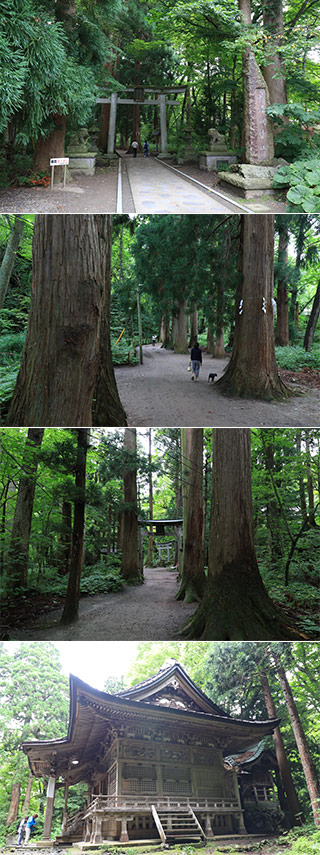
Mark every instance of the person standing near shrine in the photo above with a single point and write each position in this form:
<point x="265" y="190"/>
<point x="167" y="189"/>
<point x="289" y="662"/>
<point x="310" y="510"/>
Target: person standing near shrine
<point x="134" y="145"/>
<point x="21" y="830"/>
<point x="31" y="823"/>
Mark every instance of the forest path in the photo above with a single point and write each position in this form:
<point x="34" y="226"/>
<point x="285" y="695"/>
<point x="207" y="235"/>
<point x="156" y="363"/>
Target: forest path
<point x="144" y="612"/>
<point x="160" y="393"/>
<point x="157" y="190"/>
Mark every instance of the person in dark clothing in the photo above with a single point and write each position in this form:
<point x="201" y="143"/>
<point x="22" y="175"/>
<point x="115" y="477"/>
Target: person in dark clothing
<point x="146" y="149"/>
<point x="196" y="360"/>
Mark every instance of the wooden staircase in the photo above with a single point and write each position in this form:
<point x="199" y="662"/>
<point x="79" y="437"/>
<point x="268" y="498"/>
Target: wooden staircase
<point x="177" y="825"/>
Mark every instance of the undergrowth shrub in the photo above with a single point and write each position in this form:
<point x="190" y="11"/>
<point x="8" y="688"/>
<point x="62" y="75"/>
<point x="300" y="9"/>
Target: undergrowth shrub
<point x="303" y="180"/>
<point x="294" y="357"/>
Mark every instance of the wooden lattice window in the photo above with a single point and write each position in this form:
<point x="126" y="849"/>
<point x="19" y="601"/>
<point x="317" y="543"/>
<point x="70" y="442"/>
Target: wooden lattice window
<point x="176" y="780"/>
<point x="139" y="779"/>
<point x="210" y="783"/>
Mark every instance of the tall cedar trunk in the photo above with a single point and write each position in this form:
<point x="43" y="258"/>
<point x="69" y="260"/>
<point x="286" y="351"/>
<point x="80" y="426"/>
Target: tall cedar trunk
<point x="18" y="556"/>
<point x="60" y="360"/>
<point x="164" y="334"/>
<point x="107" y="407"/>
<point x="51" y="146"/>
<point x="219" y="351"/>
<point x="274" y="72"/>
<point x="150" y="548"/>
<point x="312" y="322"/>
<point x="193" y="328"/>
<point x="282" y="332"/>
<point x="210" y="340"/>
<point x="235" y="603"/>
<point x="300" y="240"/>
<point x="180" y="330"/>
<point x="303" y="503"/>
<point x="273" y="511"/>
<point x="193" y="577"/>
<point x="71" y="605"/>
<point x="310" y="489"/>
<point x="309" y="768"/>
<point x="26" y="803"/>
<point x="14" y="803"/>
<point x="252" y="370"/>
<point x="129" y="559"/>
<point x="10" y="255"/>
<point x="65" y="539"/>
<point x="283" y="763"/>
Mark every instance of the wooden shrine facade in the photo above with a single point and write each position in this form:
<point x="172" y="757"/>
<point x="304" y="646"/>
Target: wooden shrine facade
<point x="148" y="755"/>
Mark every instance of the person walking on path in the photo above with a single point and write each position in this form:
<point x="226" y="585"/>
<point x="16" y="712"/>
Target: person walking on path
<point x="196" y="360"/>
<point x="134" y="145"/>
<point x="21" y="830"/>
<point x="31" y="823"/>
<point x="146" y="149"/>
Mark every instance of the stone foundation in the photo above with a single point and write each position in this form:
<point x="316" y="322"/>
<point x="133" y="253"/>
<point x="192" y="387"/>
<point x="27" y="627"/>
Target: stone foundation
<point x="249" y="181"/>
<point x="210" y="160"/>
<point x="84" y="163"/>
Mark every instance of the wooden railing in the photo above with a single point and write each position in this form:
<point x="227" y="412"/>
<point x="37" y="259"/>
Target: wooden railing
<point x="107" y="804"/>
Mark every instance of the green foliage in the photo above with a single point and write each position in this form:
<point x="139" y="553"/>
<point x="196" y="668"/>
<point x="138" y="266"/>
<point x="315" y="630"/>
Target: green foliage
<point x="296" y="130"/>
<point x="102" y="578"/>
<point x="293" y="358"/>
<point x="303" y="180"/>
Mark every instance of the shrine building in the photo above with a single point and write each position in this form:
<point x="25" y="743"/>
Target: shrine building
<point x="161" y="760"/>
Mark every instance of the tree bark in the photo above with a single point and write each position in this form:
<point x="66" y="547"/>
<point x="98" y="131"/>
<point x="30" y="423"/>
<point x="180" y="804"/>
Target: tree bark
<point x="65" y="539"/>
<point x="10" y="255"/>
<point x="18" y="556"/>
<point x="210" y="340"/>
<point x="26" y="803"/>
<point x="193" y="577"/>
<point x="180" y="340"/>
<point x="164" y="334"/>
<point x="71" y="605"/>
<point x="309" y="768"/>
<point x="14" y="803"/>
<point x="129" y="559"/>
<point x="107" y="407"/>
<point x="51" y="146"/>
<point x="274" y="71"/>
<point x="193" y="328"/>
<point x="60" y="360"/>
<point x="235" y="603"/>
<point x="283" y="763"/>
<point x="252" y="370"/>
<point x="312" y="322"/>
<point x="282" y="332"/>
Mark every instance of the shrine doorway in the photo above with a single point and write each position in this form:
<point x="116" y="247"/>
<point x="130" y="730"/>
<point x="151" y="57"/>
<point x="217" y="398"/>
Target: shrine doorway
<point x="147" y="97"/>
<point x="168" y="551"/>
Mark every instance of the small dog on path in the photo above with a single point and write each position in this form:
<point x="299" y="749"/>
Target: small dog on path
<point x="211" y="377"/>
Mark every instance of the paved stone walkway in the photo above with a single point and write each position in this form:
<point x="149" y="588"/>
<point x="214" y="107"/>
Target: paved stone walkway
<point x="157" y="190"/>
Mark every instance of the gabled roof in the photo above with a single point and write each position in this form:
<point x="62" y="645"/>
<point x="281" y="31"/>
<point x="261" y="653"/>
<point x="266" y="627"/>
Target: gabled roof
<point x="173" y="687"/>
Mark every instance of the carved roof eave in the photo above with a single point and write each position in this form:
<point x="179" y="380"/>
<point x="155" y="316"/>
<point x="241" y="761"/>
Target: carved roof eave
<point x="93" y="712"/>
<point x="163" y="678"/>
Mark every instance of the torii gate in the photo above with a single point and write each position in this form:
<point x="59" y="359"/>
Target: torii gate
<point x="160" y="526"/>
<point x="138" y="98"/>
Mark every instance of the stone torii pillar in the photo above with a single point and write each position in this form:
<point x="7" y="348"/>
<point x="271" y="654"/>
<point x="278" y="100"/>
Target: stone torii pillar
<point x="49" y="808"/>
<point x="163" y="123"/>
<point x="112" y="123"/>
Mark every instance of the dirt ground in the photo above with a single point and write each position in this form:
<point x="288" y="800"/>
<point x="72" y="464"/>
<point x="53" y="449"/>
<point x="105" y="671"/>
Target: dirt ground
<point x="83" y="195"/>
<point x="251" y="844"/>
<point x="160" y="393"/>
<point x="148" y="612"/>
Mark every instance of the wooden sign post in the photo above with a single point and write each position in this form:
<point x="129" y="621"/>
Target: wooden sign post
<point x="59" y="161"/>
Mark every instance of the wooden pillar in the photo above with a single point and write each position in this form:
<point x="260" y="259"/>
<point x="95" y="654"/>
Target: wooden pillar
<point x="124" y="836"/>
<point x="96" y="829"/>
<point x="209" y="832"/>
<point x="112" y="123"/>
<point x="49" y="808"/>
<point x="163" y="124"/>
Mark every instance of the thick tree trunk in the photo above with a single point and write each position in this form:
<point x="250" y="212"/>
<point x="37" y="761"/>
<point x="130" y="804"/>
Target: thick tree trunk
<point x="18" y="556"/>
<point x="10" y="255"/>
<point x="274" y="71"/>
<point x="51" y="146"/>
<point x="164" y="334"/>
<point x="129" y="559"/>
<point x="283" y="763"/>
<point x="219" y="351"/>
<point x="193" y="328"/>
<point x="180" y="340"/>
<point x="193" y="577"/>
<point x="71" y="606"/>
<point x="60" y="360"/>
<point x="26" y="803"/>
<point x="14" y="803"/>
<point x="107" y="407"/>
<point x="210" y="340"/>
<point x="252" y="370"/>
<point x="312" y="322"/>
<point x="65" y="539"/>
<point x="235" y="603"/>
<point x="309" y="768"/>
<point x="273" y="511"/>
<point x="282" y="332"/>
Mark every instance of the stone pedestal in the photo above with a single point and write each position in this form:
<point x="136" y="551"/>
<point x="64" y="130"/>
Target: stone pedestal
<point x="84" y="162"/>
<point x="209" y="160"/>
<point x="249" y="181"/>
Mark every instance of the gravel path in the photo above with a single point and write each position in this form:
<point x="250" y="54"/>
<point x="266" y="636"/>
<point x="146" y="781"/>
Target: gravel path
<point x="146" y="612"/>
<point x="160" y="393"/>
